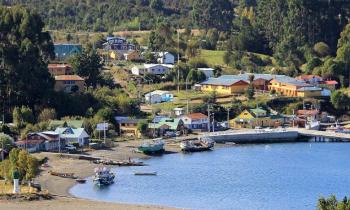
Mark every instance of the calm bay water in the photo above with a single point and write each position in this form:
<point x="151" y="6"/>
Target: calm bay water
<point x="275" y="176"/>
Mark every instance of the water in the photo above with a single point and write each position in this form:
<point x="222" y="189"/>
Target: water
<point x="275" y="176"/>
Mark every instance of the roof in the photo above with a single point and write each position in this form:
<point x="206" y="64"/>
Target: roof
<point x="258" y="111"/>
<point x="197" y="116"/>
<point x="122" y="119"/>
<point x="170" y="122"/>
<point x="303" y="89"/>
<point x="205" y="69"/>
<point x="308" y="112"/>
<point x="68" y="78"/>
<point x="158" y="92"/>
<point x="220" y="81"/>
<point x="290" y="80"/>
<point x="308" y="77"/>
<point x="59" y="65"/>
<point x="70" y="123"/>
<point x="30" y="142"/>
<point x="71" y="132"/>
<point x="329" y="82"/>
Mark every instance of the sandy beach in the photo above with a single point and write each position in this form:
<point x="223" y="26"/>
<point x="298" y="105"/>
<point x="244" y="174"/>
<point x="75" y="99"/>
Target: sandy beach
<point x="59" y="187"/>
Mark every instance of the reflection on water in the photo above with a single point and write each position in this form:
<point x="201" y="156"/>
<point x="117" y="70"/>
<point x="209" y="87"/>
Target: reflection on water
<point x="276" y="176"/>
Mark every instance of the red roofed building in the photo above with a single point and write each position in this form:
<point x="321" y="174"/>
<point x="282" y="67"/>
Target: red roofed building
<point x="60" y="69"/>
<point x="196" y="121"/>
<point x="69" y="83"/>
<point x="330" y="84"/>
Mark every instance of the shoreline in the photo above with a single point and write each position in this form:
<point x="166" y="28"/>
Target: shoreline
<point x="60" y="187"/>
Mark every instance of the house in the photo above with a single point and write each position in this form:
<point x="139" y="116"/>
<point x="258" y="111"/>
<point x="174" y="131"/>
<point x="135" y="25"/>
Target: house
<point x="155" y="69"/>
<point x="160" y="127"/>
<point x="308" y="115"/>
<point x="66" y="123"/>
<point x="307" y="92"/>
<point x="178" y="111"/>
<point x="69" y="83"/>
<point x="64" y="51"/>
<point x="132" y="55"/>
<point x="224" y="86"/>
<point x="209" y="72"/>
<point x="310" y="79"/>
<point x="117" y="44"/>
<point x="195" y="121"/>
<point x="329" y="84"/>
<point x="74" y="135"/>
<point x="164" y="57"/>
<point x="42" y="141"/>
<point x="60" y="69"/>
<point x="256" y="118"/>
<point x="159" y="96"/>
<point x="128" y="126"/>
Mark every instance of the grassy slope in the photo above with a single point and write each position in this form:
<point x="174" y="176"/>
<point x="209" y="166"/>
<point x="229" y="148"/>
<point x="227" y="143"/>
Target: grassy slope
<point x="213" y="57"/>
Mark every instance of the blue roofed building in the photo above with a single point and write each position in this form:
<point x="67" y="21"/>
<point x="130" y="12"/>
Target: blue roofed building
<point x="64" y="51"/>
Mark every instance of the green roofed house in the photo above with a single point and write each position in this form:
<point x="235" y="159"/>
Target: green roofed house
<point x="66" y="123"/>
<point x="256" y="118"/>
<point x="73" y="135"/>
<point x="161" y="125"/>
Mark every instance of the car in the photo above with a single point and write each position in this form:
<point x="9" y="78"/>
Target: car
<point x="170" y="134"/>
<point x="70" y="148"/>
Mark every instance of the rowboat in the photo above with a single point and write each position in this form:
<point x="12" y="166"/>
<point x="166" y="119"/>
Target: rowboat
<point x="153" y="146"/>
<point x="145" y="173"/>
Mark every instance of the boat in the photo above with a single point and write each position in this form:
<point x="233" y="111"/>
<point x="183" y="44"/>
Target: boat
<point x="197" y="146"/>
<point x="313" y="125"/>
<point x="145" y="173"/>
<point x="153" y="146"/>
<point x="63" y="175"/>
<point x="103" y="176"/>
<point x="81" y="181"/>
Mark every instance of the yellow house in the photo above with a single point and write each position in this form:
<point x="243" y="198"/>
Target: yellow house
<point x="256" y="118"/>
<point x="222" y="86"/>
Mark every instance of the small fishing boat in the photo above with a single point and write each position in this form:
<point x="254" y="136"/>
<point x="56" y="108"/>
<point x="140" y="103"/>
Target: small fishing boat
<point x="145" y="173"/>
<point x="153" y="146"/>
<point x="197" y="146"/>
<point x="81" y="181"/>
<point x="103" y="176"/>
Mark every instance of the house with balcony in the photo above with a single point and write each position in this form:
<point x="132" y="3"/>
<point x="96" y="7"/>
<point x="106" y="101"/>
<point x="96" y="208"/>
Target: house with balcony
<point x="69" y="83"/>
<point x="195" y="121"/>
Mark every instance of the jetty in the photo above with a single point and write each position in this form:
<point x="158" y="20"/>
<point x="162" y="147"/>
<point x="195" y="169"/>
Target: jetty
<point x="253" y="136"/>
<point x="321" y="135"/>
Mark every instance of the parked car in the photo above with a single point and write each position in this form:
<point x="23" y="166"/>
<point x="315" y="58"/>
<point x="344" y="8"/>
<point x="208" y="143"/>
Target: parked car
<point x="170" y="134"/>
<point x="70" y="148"/>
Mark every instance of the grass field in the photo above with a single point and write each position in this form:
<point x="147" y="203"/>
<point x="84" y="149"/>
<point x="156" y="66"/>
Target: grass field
<point x="213" y="57"/>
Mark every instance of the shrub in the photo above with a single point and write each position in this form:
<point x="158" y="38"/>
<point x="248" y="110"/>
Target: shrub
<point x="322" y="49"/>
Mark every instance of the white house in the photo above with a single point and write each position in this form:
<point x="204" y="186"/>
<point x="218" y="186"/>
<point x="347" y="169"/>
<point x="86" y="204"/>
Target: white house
<point x="178" y="111"/>
<point x="196" y="121"/>
<point x="155" y="69"/>
<point x="165" y="57"/>
<point x="209" y="72"/>
<point x="159" y="96"/>
<point x="72" y="135"/>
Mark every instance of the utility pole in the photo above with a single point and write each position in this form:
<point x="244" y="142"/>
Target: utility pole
<point x="178" y="60"/>
<point x="228" y="117"/>
<point x="208" y="117"/>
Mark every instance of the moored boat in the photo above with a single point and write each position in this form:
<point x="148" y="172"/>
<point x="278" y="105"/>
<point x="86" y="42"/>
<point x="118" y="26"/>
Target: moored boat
<point x="103" y="176"/>
<point x="153" y="146"/>
<point x="145" y="173"/>
<point x="197" y="146"/>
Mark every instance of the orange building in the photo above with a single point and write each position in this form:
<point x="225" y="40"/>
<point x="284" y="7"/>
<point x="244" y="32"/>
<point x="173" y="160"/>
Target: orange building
<point x="69" y="83"/>
<point x="60" y="69"/>
<point x="287" y="86"/>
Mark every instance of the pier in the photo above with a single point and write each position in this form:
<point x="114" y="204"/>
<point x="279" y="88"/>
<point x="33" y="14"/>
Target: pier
<point x="321" y="135"/>
<point x="254" y="136"/>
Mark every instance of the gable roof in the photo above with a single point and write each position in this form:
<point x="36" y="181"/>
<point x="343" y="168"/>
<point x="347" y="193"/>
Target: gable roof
<point x="307" y="112"/>
<point x="258" y="111"/>
<point x="170" y="122"/>
<point x="197" y="116"/>
<point x="70" y="123"/>
<point x="68" y="78"/>
<point x="223" y="82"/>
<point x="72" y="132"/>
<point x="329" y="82"/>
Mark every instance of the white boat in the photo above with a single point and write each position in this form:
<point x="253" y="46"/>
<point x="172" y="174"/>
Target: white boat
<point x="103" y="176"/>
<point x="313" y="125"/>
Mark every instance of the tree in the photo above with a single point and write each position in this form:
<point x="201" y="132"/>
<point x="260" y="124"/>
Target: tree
<point x="22" y="116"/>
<point x="157" y="5"/>
<point x="47" y="114"/>
<point x="26" y="51"/>
<point x="142" y="126"/>
<point x="88" y="65"/>
<point x="249" y="93"/>
<point x="6" y="141"/>
<point x="340" y="100"/>
<point x="213" y="14"/>
<point x="322" y="49"/>
<point x="195" y="76"/>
